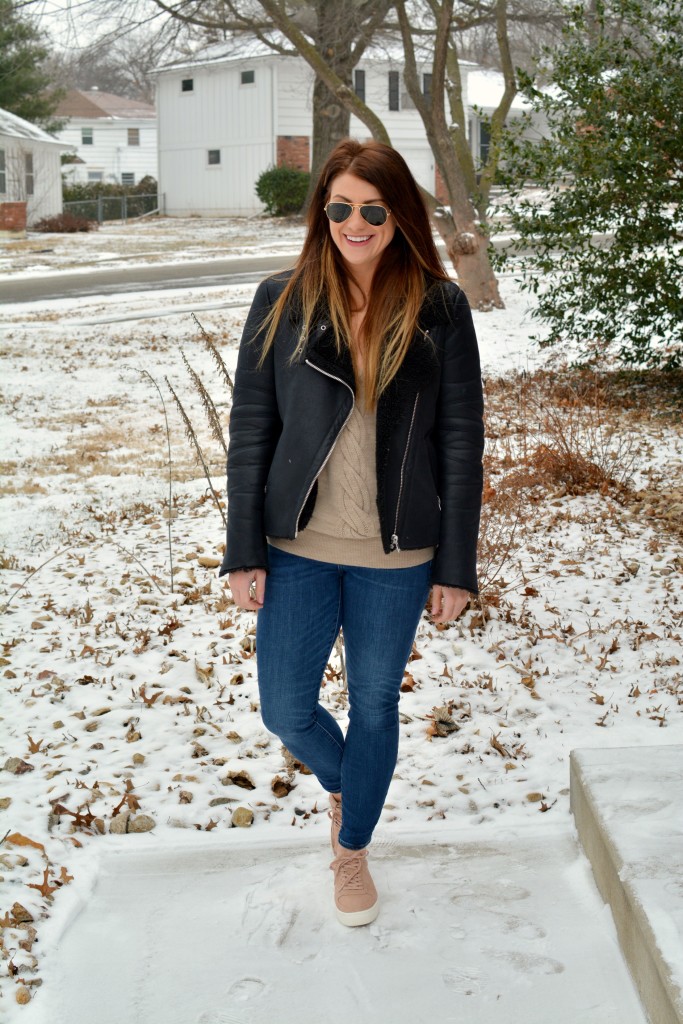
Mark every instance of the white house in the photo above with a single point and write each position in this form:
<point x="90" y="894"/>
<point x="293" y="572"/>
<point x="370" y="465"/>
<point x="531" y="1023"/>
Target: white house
<point x="224" y="119"/>
<point x="115" y="137"/>
<point x="30" y="173"/>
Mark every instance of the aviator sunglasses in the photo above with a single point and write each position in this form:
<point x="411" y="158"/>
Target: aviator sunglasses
<point x="373" y="215"/>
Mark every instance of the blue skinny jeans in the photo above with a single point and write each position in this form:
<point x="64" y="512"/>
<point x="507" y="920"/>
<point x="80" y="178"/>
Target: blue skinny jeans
<point x="306" y="603"/>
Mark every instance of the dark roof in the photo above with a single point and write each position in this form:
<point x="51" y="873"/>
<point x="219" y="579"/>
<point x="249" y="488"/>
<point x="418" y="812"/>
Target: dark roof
<point x="92" y="103"/>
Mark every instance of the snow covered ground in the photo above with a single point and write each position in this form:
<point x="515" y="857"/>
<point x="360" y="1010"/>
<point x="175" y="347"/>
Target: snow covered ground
<point x="128" y="705"/>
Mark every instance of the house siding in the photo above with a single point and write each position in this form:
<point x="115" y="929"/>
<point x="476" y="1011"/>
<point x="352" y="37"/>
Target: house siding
<point x="46" y="200"/>
<point x="110" y="153"/>
<point x="269" y="122"/>
<point x="219" y="113"/>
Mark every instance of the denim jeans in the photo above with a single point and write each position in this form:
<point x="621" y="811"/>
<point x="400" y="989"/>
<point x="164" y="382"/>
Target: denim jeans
<point x="306" y="603"/>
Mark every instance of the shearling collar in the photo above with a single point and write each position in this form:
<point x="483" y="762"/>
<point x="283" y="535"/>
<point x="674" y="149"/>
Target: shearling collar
<point x="421" y="359"/>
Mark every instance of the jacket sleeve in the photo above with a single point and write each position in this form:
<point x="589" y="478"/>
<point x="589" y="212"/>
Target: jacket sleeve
<point x="254" y="429"/>
<point x="460" y="449"/>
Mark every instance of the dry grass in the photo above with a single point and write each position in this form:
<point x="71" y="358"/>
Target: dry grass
<point x="555" y="435"/>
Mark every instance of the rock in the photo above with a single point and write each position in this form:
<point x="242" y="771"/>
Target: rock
<point x="219" y="801"/>
<point x="20" y="914"/>
<point x="209" y="561"/>
<point x="59" y="724"/>
<point x="100" y="712"/>
<point x="119" y="824"/>
<point x="138" y="758"/>
<point x="37" y="624"/>
<point x="186" y="796"/>
<point x="142" y="823"/>
<point x="16" y="766"/>
<point x="5" y="801"/>
<point x="23" y="995"/>
<point x="242" y="817"/>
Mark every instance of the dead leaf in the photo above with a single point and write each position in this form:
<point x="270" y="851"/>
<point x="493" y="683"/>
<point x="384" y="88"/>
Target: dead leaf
<point x="498" y="746"/>
<point x="408" y="684"/>
<point x="281" y="787"/>
<point x="45" y="889"/>
<point x="18" y="840"/>
<point x="149" y="701"/>
<point x="241" y="779"/>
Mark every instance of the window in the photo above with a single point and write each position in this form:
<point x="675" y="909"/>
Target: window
<point x="214" y="157"/>
<point x="359" y="84"/>
<point x="248" y="77"/>
<point x="95" y="175"/>
<point x="128" y="178"/>
<point x="3" y="173"/>
<point x="86" y="136"/>
<point x="393" y="90"/>
<point x="187" y="85"/>
<point x="28" y="166"/>
<point x="427" y="89"/>
<point x="133" y="136"/>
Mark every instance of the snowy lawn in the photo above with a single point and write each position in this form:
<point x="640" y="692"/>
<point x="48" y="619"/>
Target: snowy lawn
<point x="129" y="698"/>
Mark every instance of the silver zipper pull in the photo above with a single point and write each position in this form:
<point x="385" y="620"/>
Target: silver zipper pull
<point x="394" y="543"/>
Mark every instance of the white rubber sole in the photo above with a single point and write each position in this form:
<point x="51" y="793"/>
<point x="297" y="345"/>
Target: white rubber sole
<point x="359" y="917"/>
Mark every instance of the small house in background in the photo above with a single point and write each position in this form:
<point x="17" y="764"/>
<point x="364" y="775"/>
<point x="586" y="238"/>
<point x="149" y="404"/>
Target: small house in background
<point x="115" y="138"/>
<point x="30" y="174"/>
<point x="224" y="119"/>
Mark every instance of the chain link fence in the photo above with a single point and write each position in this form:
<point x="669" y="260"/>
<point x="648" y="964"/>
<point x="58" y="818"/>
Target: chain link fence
<point x="114" y="207"/>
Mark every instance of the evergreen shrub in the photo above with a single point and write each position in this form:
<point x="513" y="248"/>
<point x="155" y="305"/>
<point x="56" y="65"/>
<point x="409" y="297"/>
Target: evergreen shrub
<point x="282" y="190"/>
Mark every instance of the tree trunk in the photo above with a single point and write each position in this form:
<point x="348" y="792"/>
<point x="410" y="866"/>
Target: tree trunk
<point x="331" y="121"/>
<point x="467" y="250"/>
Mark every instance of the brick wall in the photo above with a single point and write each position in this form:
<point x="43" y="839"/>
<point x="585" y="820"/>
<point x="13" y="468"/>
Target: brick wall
<point x="294" y="151"/>
<point x="12" y="217"/>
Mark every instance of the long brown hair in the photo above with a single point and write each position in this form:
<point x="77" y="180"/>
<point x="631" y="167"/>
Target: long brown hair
<point x="406" y="267"/>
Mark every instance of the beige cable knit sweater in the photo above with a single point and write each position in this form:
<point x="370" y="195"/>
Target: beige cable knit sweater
<point x="344" y="528"/>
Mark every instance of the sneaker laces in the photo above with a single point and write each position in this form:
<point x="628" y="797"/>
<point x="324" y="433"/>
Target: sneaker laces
<point x="350" y="872"/>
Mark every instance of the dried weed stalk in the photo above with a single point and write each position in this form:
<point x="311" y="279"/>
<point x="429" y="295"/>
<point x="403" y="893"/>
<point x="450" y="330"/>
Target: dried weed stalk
<point x="194" y="441"/>
<point x="217" y="357"/>
<point x="147" y="376"/>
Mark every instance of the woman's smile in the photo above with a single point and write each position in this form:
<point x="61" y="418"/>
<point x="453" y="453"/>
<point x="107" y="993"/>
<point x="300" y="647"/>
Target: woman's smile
<point x="360" y="244"/>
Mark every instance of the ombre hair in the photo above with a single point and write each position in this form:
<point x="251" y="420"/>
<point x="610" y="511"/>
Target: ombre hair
<point x="407" y="266"/>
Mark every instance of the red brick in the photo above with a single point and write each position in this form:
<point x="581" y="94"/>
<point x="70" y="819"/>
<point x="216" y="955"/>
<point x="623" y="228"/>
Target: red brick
<point x="13" y="216"/>
<point x="294" y="151"/>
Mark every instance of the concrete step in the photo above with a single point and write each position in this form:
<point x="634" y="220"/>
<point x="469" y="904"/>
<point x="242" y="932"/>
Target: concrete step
<point x="477" y="926"/>
<point x="628" y="807"/>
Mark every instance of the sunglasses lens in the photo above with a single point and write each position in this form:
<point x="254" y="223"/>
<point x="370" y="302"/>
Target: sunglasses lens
<point x="338" y="212"/>
<point x="374" y="215"/>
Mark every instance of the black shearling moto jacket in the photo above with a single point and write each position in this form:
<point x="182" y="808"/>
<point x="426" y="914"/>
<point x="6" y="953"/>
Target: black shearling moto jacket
<point x="286" y="418"/>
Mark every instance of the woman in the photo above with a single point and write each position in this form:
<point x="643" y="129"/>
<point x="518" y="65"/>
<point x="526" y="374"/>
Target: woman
<point x="354" y="480"/>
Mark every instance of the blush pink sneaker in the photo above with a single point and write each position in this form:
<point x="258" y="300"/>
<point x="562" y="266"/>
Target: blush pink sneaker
<point x="335" y="816"/>
<point x="355" y="895"/>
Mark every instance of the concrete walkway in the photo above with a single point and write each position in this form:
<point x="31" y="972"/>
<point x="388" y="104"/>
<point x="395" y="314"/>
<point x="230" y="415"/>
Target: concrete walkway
<point x="477" y="927"/>
<point x="628" y="806"/>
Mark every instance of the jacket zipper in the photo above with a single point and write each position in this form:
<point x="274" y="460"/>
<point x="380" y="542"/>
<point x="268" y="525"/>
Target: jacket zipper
<point x="394" y="536"/>
<point x="327" y="457"/>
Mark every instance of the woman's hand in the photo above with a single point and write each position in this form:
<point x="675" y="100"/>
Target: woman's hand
<point x="248" y="588"/>
<point x="448" y="602"/>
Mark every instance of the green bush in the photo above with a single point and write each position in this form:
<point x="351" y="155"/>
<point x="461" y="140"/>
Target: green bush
<point x="78" y="191"/>
<point x="282" y="190"/>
